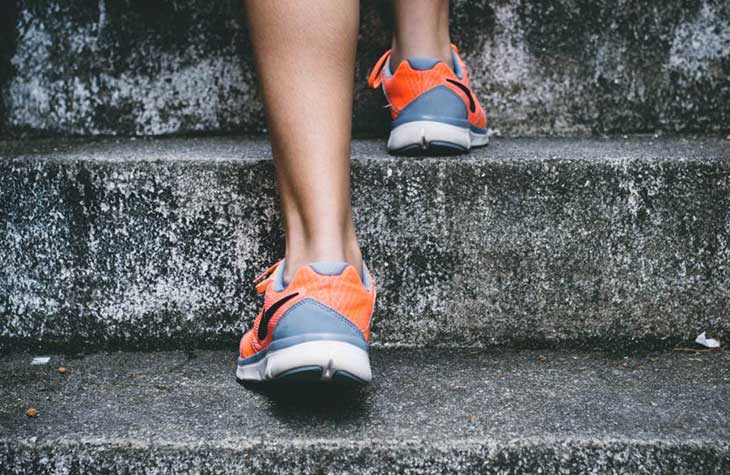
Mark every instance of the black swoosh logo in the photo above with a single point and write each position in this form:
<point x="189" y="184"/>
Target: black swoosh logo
<point x="264" y="323"/>
<point x="472" y="104"/>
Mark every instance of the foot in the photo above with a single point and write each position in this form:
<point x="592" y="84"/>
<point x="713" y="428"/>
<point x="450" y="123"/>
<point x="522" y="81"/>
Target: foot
<point x="433" y="107"/>
<point x="316" y="328"/>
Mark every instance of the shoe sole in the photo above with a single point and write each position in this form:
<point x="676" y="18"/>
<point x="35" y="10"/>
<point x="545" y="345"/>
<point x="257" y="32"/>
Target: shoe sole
<point x="321" y="360"/>
<point x="424" y="137"/>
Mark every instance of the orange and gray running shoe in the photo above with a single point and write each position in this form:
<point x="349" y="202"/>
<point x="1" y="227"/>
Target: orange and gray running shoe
<point x="433" y="107"/>
<point x="316" y="328"/>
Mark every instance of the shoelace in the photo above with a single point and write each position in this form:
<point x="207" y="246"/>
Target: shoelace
<point x="375" y="78"/>
<point x="263" y="279"/>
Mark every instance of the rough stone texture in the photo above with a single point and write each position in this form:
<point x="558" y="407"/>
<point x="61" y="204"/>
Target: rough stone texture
<point x="8" y="14"/>
<point x="539" y="242"/>
<point x="552" y="67"/>
<point x="429" y="412"/>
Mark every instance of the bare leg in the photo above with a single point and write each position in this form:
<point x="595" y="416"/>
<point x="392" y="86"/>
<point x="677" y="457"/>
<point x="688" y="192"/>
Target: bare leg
<point x="305" y="54"/>
<point x="421" y="30"/>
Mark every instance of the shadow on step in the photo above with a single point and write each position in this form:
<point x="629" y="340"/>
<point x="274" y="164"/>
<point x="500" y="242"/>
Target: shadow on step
<point x="312" y="401"/>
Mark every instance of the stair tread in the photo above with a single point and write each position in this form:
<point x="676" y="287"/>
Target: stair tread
<point x="241" y="148"/>
<point x="433" y="396"/>
<point x="427" y="412"/>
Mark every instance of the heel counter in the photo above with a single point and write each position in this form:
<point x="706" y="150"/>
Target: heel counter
<point x="312" y="317"/>
<point x="440" y="103"/>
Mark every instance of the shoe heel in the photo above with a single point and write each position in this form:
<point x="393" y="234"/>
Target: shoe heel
<point x="426" y="136"/>
<point x="312" y="342"/>
<point x="321" y="360"/>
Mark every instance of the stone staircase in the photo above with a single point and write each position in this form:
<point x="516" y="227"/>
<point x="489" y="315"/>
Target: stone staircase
<point x="538" y="299"/>
<point x="584" y="253"/>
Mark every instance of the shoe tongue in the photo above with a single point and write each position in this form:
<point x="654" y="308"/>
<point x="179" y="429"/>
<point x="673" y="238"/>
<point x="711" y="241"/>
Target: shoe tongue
<point x="279" y="283"/>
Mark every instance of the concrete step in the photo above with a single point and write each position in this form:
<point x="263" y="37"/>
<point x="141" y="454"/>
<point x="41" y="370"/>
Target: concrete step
<point x="427" y="412"/>
<point x="530" y="243"/>
<point x="185" y="66"/>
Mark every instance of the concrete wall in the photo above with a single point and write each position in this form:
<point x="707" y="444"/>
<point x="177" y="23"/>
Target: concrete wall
<point x="185" y="66"/>
<point x="533" y="242"/>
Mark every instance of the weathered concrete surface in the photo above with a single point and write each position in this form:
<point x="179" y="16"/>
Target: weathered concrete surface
<point x="547" y="242"/>
<point x="553" y="67"/>
<point x="429" y="412"/>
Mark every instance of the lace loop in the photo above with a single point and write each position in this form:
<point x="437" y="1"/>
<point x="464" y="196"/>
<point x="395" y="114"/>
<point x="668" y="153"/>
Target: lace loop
<point x="262" y="280"/>
<point x="375" y="77"/>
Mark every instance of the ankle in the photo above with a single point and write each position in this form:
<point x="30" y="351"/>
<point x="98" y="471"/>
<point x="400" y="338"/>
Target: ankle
<point x="343" y="251"/>
<point x="435" y="49"/>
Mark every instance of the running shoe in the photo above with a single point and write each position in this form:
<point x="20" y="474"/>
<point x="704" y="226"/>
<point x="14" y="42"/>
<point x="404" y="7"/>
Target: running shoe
<point x="433" y="107"/>
<point x="316" y="328"/>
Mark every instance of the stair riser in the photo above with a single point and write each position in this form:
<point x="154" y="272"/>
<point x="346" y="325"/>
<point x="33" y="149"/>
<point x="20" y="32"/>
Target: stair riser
<point x="557" y="456"/>
<point x="611" y="253"/>
<point x="552" y="67"/>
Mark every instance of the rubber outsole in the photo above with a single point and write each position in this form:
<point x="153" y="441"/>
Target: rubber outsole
<point x="427" y="137"/>
<point x="315" y="374"/>
<point x="325" y="361"/>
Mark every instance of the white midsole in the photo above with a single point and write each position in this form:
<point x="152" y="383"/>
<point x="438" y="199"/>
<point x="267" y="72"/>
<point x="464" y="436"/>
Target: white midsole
<point x="423" y="132"/>
<point x="331" y="356"/>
